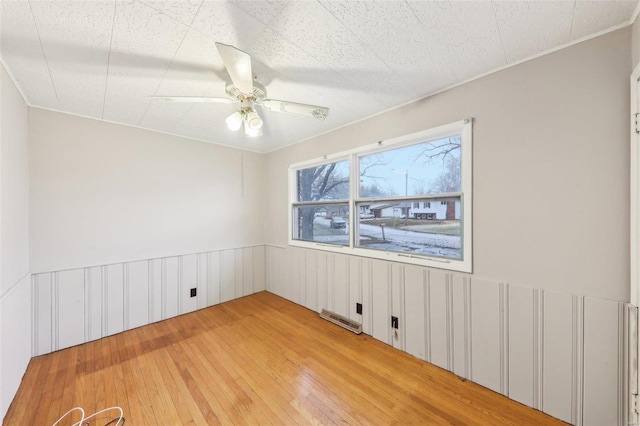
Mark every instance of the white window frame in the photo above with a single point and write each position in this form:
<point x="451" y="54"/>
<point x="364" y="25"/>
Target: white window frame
<point x="463" y="128"/>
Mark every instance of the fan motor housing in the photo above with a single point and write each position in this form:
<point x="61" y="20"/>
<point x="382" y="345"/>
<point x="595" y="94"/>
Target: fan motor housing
<point x="258" y="95"/>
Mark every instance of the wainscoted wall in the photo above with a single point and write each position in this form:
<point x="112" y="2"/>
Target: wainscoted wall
<point x="15" y="340"/>
<point x="79" y="305"/>
<point x="560" y="353"/>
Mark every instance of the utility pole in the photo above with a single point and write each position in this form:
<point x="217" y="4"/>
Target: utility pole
<point x="406" y="192"/>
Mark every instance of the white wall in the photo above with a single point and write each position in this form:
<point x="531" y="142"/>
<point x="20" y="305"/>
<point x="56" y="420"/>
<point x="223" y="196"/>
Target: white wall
<point x="549" y="132"/>
<point x="541" y="319"/>
<point x="125" y="222"/>
<point x="105" y="193"/>
<point x="635" y="43"/>
<point x="15" y="289"/>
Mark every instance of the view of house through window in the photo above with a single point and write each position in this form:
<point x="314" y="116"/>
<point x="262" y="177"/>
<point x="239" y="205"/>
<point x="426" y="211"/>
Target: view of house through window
<point x="409" y="226"/>
<point x="406" y="198"/>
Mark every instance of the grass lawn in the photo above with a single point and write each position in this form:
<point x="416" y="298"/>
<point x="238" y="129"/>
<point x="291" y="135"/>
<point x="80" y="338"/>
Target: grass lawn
<point x="321" y="230"/>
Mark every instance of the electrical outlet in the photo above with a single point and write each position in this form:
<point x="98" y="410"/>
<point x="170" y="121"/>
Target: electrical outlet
<point x="394" y="322"/>
<point x="359" y="308"/>
<point x="194" y="292"/>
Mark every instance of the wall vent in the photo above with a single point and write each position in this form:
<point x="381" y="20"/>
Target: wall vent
<point x="345" y="322"/>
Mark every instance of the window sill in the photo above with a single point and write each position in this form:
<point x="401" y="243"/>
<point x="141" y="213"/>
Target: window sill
<point x="431" y="262"/>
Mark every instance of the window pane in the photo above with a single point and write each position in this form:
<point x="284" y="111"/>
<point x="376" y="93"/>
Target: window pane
<point x="324" y="182"/>
<point x="400" y="227"/>
<point x="327" y="223"/>
<point x="426" y="168"/>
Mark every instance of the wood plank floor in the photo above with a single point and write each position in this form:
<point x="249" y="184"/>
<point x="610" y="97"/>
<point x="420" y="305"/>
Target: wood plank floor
<point x="255" y="360"/>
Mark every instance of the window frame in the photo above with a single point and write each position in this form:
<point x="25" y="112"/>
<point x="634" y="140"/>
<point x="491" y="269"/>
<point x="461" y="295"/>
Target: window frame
<point x="462" y="128"/>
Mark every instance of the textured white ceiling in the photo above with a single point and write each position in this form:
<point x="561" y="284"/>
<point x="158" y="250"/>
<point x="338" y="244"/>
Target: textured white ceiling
<point x="103" y="59"/>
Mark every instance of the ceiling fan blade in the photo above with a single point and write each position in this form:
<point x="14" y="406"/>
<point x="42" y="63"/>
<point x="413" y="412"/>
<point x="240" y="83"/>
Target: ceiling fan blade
<point x="238" y="65"/>
<point x="201" y="99"/>
<point x="311" y="111"/>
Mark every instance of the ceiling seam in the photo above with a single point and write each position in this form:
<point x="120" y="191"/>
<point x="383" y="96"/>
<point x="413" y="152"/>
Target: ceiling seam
<point x="573" y="19"/>
<point x="166" y="70"/>
<point x="495" y="16"/>
<point x="266" y="25"/>
<point x="106" y="77"/>
<point x="442" y="57"/>
<point x="346" y="76"/>
<point x="310" y="55"/>
<point x="358" y="38"/>
<point x="35" y="24"/>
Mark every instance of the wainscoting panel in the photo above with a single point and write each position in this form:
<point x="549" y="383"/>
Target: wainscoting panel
<point x="381" y="300"/>
<point x="323" y="301"/>
<point x="259" y="272"/>
<point x="156" y="293"/>
<point x="461" y="334"/>
<point x="44" y="320"/>
<point x="114" y="301"/>
<point x="398" y="307"/>
<point x="238" y="283"/>
<point x="367" y="297"/>
<point x="170" y="293"/>
<point x="247" y="271"/>
<point x="415" y="288"/>
<point x="79" y="305"/>
<point x="17" y="317"/>
<point x="296" y="275"/>
<point x="355" y="287"/>
<point x="93" y="297"/>
<point x="521" y="345"/>
<point x="188" y="280"/>
<point x="331" y="286"/>
<point x="136" y="294"/>
<point x="228" y="275"/>
<point x="213" y="278"/>
<point x="69" y="295"/>
<point x="485" y="341"/>
<point x="311" y="280"/>
<point x="603" y="387"/>
<point x="439" y="319"/>
<point x="559" y="353"/>
<point x="203" y="280"/>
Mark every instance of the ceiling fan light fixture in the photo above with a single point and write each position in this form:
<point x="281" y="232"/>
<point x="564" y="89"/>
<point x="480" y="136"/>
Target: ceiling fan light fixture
<point x="244" y="88"/>
<point x="253" y="120"/>
<point x="252" y="132"/>
<point x="234" y="121"/>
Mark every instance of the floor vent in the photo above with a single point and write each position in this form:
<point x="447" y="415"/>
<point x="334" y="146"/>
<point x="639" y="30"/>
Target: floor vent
<point x="345" y="322"/>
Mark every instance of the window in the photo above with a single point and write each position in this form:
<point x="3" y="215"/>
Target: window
<point x="406" y="199"/>
<point x="321" y="207"/>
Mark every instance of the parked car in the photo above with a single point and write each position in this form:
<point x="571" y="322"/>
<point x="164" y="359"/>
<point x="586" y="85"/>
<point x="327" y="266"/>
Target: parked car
<point x="366" y="216"/>
<point x="337" y="222"/>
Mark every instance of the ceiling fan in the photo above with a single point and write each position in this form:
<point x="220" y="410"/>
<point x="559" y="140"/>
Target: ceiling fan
<point x="248" y="92"/>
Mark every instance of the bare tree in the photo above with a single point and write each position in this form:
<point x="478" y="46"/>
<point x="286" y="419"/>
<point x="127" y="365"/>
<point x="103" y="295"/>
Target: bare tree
<point x="441" y="149"/>
<point x="328" y="182"/>
<point x="447" y="151"/>
<point x="319" y="183"/>
<point x="449" y="180"/>
<point x="372" y="190"/>
<point x="367" y="165"/>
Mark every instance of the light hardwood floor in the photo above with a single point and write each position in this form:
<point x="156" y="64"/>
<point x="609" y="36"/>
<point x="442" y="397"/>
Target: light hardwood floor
<point x="255" y="360"/>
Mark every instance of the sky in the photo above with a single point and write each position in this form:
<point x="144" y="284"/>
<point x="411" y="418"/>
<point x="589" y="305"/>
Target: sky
<point x="398" y="162"/>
